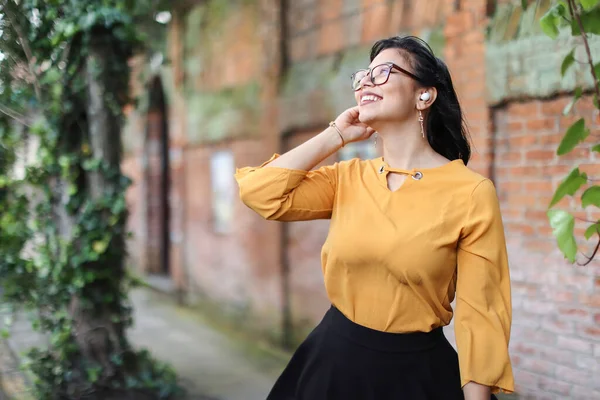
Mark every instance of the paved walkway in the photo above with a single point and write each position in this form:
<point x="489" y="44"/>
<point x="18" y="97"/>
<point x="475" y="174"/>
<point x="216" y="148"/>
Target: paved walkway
<point x="210" y="364"/>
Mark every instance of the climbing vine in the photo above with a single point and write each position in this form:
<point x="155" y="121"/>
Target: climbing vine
<point x="64" y="79"/>
<point x="580" y="19"/>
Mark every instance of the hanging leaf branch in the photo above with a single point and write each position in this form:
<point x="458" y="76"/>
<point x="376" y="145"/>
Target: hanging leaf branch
<point x="581" y="18"/>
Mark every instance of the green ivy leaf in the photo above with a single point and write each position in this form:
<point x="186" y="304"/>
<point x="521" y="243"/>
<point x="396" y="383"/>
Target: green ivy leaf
<point x="575" y="134"/>
<point x="569" y="186"/>
<point x="588" y="4"/>
<point x="548" y="24"/>
<point x="93" y="373"/>
<point x="592" y="230"/>
<point x="100" y="246"/>
<point x="563" y="224"/>
<point x="590" y="21"/>
<point x="596" y="148"/>
<point x="567" y="62"/>
<point x="553" y="19"/>
<point x="591" y="197"/>
<point x="577" y="95"/>
<point x="524" y="4"/>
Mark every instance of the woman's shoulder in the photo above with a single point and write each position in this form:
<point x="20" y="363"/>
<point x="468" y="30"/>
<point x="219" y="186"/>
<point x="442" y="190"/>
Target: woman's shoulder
<point x="470" y="180"/>
<point x="356" y="164"/>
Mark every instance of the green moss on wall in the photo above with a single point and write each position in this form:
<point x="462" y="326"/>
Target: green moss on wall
<point x="229" y="113"/>
<point x="437" y="41"/>
<point x="510" y="22"/>
<point x="329" y="75"/>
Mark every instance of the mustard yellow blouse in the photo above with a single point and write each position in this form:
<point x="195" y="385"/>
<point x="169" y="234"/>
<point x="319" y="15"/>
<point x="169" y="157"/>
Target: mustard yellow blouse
<point x="394" y="261"/>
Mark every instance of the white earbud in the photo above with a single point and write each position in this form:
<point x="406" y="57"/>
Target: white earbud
<point x="425" y="96"/>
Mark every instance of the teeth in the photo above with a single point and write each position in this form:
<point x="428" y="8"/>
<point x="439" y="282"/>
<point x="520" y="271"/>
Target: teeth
<point x="370" y="98"/>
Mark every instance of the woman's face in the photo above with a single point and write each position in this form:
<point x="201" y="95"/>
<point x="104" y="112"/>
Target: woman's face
<point x="394" y="100"/>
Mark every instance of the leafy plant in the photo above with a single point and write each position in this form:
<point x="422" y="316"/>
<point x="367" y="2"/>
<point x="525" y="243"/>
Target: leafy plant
<point x="64" y="80"/>
<point x="581" y="18"/>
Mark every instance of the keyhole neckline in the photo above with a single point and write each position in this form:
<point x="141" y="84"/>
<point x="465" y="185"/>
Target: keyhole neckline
<point x="383" y="169"/>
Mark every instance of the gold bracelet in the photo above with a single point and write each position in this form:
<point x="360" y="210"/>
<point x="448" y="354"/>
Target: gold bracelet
<point x="334" y="126"/>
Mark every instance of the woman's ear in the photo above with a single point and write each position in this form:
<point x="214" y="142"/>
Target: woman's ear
<point x="426" y="97"/>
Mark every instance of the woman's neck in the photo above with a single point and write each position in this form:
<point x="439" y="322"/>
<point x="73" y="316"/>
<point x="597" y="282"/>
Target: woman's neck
<point x="404" y="147"/>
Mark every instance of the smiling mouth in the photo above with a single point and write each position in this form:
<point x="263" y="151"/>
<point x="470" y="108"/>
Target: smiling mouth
<point x="368" y="99"/>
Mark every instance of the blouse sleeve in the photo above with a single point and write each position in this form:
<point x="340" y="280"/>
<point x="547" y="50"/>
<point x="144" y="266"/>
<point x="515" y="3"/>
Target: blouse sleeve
<point x="287" y="194"/>
<point x="483" y="299"/>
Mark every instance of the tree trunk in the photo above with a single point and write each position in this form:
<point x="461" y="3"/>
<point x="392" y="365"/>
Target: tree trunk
<point x="98" y="334"/>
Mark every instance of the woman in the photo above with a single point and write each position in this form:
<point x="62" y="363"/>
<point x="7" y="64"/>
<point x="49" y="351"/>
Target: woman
<point x="409" y="232"/>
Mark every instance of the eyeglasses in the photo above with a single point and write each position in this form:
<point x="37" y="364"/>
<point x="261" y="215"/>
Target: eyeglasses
<point x="378" y="75"/>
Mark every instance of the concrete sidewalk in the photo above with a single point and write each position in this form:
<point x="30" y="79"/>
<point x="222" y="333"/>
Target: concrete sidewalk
<point x="210" y="364"/>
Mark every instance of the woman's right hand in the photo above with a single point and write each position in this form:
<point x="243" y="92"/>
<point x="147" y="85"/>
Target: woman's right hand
<point x="352" y="129"/>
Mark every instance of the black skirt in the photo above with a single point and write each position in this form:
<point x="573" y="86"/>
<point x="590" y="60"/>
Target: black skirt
<point x="341" y="360"/>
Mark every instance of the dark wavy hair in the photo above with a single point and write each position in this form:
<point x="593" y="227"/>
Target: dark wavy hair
<point x="447" y="132"/>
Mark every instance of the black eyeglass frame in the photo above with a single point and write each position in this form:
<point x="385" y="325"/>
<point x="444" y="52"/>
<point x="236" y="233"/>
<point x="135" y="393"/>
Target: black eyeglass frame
<point x="369" y="73"/>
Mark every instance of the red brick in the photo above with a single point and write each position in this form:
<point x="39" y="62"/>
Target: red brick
<point x="541" y="124"/>
<point x="329" y="9"/>
<point x="540" y="155"/>
<point x="593" y="170"/>
<point x="371" y="3"/>
<point x="573" y="375"/>
<point x="512" y="213"/>
<point x="522" y="200"/>
<point x="523" y="140"/>
<point x="458" y="23"/>
<point x="523" y="349"/>
<point x="543" y="186"/>
<point x="515" y="126"/>
<point x="581" y="153"/>
<point x="573" y="344"/>
<point x="555" y="171"/>
<point x="542" y="246"/>
<point x="512" y="156"/>
<point x="553" y="139"/>
<point x="331" y="37"/>
<point x="527" y="110"/>
<point x="375" y="23"/>
<point x="524" y="171"/>
<point x="554" y="385"/>
<point x="512" y="187"/>
<point x="526" y="378"/>
<point x="534" y="215"/>
<point x="545" y="231"/>
<point x="538" y="366"/>
<point x="554" y="107"/>
<point x="538" y="307"/>
<point x="566" y="121"/>
<point x="591" y="332"/>
<point x="557" y="356"/>
<point x="592" y="300"/>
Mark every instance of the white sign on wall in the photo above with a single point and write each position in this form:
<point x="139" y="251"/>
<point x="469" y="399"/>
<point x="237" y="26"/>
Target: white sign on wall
<point x="222" y="169"/>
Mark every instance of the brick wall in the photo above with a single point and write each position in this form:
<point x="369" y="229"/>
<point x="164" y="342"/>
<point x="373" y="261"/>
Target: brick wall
<point x="555" y="342"/>
<point x="245" y="80"/>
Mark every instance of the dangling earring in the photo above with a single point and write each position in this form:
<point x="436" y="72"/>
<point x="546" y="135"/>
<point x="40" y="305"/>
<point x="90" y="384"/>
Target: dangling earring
<point x="421" y="122"/>
<point x="375" y="139"/>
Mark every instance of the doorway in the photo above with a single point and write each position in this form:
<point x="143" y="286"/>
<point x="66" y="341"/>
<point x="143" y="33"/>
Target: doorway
<point x="157" y="183"/>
